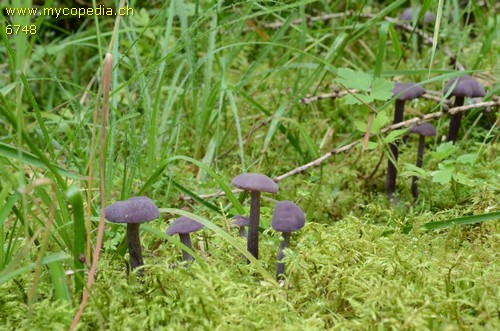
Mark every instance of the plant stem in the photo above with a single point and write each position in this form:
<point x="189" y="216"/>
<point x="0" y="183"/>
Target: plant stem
<point x="420" y="156"/>
<point x="243" y="232"/>
<point x="280" y="267"/>
<point x="134" y="246"/>
<point x="455" y="121"/>
<point x="253" y="225"/>
<point x="390" y="182"/>
<point x="186" y="240"/>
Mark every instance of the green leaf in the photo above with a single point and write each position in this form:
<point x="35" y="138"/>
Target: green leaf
<point x="394" y="135"/>
<point x="467" y="158"/>
<point x="466" y="220"/>
<point x="444" y="150"/>
<point x="382" y="89"/>
<point x="358" y="100"/>
<point x="442" y="176"/>
<point x="33" y="160"/>
<point x="412" y="170"/>
<point x="463" y="179"/>
<point x="380" y="120"/>
<point x="354" y="79"/>
<point x="370" y="146"/>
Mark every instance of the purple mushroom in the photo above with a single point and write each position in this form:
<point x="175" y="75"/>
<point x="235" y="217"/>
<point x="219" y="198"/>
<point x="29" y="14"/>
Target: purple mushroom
<point x="133" y="211"/>
<point x="408" y="15"/>
<point x="464" y="86"/>
<point x="241" y="222"/>
<point x="255" y="183"/>
<point x="183" y="226"/>
<point x="423" y="130"/>
<point x="287" y="218"/>
<point x="402" y="92"/>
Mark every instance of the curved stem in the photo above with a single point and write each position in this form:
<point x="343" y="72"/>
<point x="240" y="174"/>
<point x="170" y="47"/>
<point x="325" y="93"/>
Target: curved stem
<point x="280" y="267"/>
<point x="420" y="156"/>
<point x="390" y="182"/>
<point x="134" y="246"/>
<point x="253" y="225"/>
<point x="186" y="240"/>
<point x="455" y="121"/>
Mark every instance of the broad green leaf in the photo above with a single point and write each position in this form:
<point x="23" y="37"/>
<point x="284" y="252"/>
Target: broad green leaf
<point x="394" y="135"/>
<point x="354" y="79"/>
<point x="463" y="179"/>
<point x="380" y="120"/>
<point x="381" y="89"/>
<point x="467" y="158"/>
<point x="441" y="176"/>
<point x="444" y="150"/>
<point x="358" y="100"/>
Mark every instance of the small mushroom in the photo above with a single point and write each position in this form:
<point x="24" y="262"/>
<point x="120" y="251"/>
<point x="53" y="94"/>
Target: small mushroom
<point x="423" y="130"/>
<point x="241" y="222"/>
<point x="287" y="218"/>
<point x="464" y="86"/>
<point x="133" y="211"/>
<point x="183" y="226"/>
<point x="255" y="183"/>
<point x="408" y="15"/>
<point x="402" y="92"/>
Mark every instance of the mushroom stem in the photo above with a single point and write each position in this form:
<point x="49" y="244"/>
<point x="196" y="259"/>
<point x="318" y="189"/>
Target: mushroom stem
<point x="455" y="121"/>
<point x="420" y="156"/>
<point x="253" y="225"/>
<point x="186" y="240"/>
<point x="390" y="182"/>
<point x="280" y="267"/>
<point x="134" y="246"/>
<point x="243" y="232"/>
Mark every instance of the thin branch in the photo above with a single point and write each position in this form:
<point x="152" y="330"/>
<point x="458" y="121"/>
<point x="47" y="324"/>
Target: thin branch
<point x="485" y="104"/>
<point x="431" y="95"/>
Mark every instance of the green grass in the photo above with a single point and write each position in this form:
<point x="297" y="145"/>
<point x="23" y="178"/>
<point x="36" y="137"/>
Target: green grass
<point x="202" y="91"/>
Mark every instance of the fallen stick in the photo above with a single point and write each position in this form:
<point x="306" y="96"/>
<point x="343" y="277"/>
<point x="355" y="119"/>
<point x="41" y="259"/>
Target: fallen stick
<point x="484" y="104"/>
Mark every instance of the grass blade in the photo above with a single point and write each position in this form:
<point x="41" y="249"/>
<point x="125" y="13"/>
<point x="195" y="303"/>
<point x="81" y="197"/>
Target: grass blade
<point x="58" y="277"/>
<point x="79" y="234"/>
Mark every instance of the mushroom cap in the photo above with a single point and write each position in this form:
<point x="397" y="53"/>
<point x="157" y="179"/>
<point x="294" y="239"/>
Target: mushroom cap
<point x="255" y="182"/>
<point x="240" y="221"/>
<point x="407" y="91"/>
<point x="287" y="217"/>
<point x="134" y="210"/>
<point x="424" y="129"/>
<point x="183" y="225"/>
<point x="407" y="15"/>
<point x="467" y="86"/>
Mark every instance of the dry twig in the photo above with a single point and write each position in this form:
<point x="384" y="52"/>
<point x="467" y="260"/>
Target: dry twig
<point x="404" y="124"/>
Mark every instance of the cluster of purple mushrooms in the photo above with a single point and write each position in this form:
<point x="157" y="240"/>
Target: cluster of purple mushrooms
<point x="460" y="88"/>
<point x="287" y="218"/>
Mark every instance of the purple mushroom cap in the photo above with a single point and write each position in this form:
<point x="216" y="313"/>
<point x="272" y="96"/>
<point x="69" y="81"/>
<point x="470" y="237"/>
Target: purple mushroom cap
<point x="134" y="210"/>
<point x="240" y="221"/>
<point x="183" y="225"/>
<point x="407" y="91"/>
<point x="407" y="15"/>
<point x="466" y="86"/>
<point x="288" y="217"/>
<point x="424" y="129"/>
<point x="255" y="182"/>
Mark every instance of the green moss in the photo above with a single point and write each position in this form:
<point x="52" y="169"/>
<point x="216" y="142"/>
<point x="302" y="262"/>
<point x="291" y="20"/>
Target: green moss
<point x="345" y="276"/>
